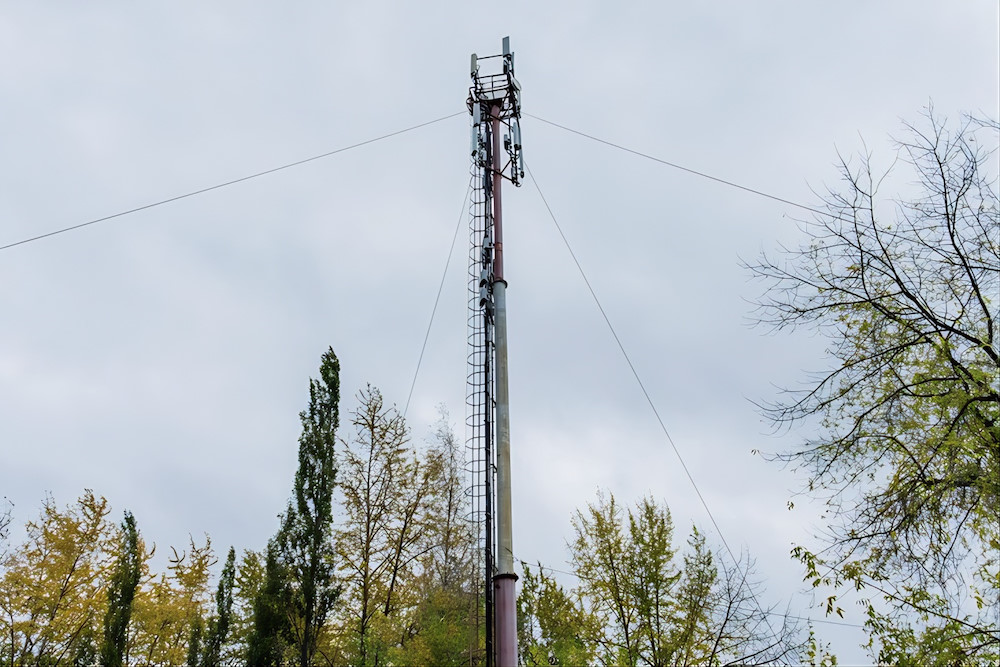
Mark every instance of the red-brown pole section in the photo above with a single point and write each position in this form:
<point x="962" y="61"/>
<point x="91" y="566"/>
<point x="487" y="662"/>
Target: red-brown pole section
<point x="504" y="597"/>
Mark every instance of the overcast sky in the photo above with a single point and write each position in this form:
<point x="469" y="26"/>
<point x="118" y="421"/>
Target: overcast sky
<point x="161" y="358"/>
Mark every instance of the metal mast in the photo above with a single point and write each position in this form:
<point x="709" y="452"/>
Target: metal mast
<point x="495" y="104"/>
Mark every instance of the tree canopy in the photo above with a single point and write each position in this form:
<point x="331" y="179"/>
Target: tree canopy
<point x="906" y="451"/>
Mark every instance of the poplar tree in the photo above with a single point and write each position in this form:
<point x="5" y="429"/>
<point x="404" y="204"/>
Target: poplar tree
<point x="194" y="643"/>
<point x="268" y="636"/>
<point x="300" y="579"/>
<point x="219" y="625"/>
<point x="308" y="523"/>
<point x="121" y="593"/>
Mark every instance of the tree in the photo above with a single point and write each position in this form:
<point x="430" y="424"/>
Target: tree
<point x="218" y="627"/>
<point x="554" y="628"/>
<point x="450" y="544"/>
<point x="907" y="450"/>
<point x="5" y="520"/>
<point x="79" y="592"/>
<point x="267" y="642"/>
<point x="739" y="629"/>
<point x="817" y="653"/>
<point x="168" y="612"/>
<point x="439" y="631"/>
<point x="693" y="631"/>
<point x="194" y="642"/>
<point x="308" y="523"/>
<point x="383" y="492"/>
<point x="247" y="584"/>
<point x="121" y="593"/>
<point x="51" y="589"/>
<point x="436" y="625"/>
<point x="639" y="608"/>
<point x="405" y="547"/>
<point x="626" y="572"/>
<point x="300" y="576"/>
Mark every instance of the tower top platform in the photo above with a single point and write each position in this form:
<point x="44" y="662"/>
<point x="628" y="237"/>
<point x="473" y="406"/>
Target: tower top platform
<point x="499" y="89"/>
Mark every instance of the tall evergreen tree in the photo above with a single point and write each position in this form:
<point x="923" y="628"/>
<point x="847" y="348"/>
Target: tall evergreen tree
<point x="121" y="592"/>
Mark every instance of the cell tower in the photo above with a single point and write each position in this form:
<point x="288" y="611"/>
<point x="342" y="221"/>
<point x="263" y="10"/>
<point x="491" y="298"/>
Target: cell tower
<point x="495" y="104"/>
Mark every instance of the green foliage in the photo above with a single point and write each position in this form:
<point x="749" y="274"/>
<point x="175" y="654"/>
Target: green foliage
<point x="447" y="541"/>
<point x="650" y="562"/>
<point x="601" y="557"/>
<point x="625" y="561"/>
<point x="908" y="452"/>
<point x="85" y="653"/>
<point x="417" y="547"/>
<point x="78" y="591"/>
<point x="434" y="614"/>
<point x="692" y="626"/>
<point x="218" y="627"/>
<point x="817" y="654"/>
<point x="554" y="628"/>
<point x="406" y="578"/>
<point x="300" y="588"/>
<point x="247" y="584"/>
<point x="441" y="623"/>
<point x="385" y="494"/>
<point x="121" y="593"/>
<point x="52" y="596"/>
<point x="268" y="642"/>
<point x="167" y="607"/>
<point x="305" y="536"/>
<point x="635" y="606"/>
<point x="194" y="643"/>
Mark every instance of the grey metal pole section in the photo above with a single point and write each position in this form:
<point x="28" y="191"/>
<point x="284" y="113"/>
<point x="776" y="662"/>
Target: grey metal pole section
<point x="505" y="596"/>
